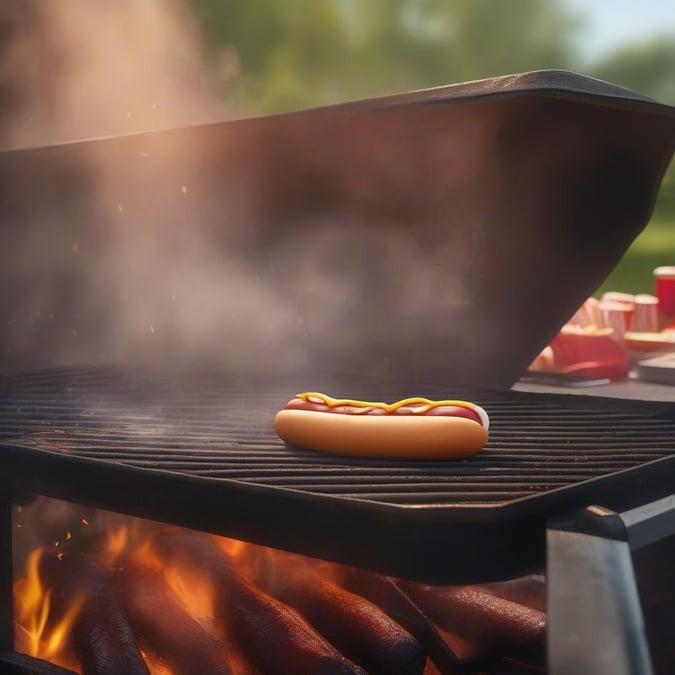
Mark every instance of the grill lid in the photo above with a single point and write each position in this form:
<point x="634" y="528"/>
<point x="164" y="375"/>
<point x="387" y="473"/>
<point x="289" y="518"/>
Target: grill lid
<point x="204" y="454"/>
<point x="472" y="220"/>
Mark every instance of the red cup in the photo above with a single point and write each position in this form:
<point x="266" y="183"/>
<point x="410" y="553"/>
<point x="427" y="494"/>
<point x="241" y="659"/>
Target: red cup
<point x="664" y="278"/>
<point x="646" y="314"/>
<point x="617" y="316"/>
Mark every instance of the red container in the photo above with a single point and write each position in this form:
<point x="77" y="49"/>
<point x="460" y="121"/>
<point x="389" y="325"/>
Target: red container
<point x="664" y="278"/>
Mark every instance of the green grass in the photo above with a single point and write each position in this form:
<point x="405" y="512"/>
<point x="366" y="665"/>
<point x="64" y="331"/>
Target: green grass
<point x="653" y="248"/>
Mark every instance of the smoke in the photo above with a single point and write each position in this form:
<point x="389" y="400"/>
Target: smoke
<point x="219" y="244"/>
<point x="390" y="241"/>
<point x="79" y="69"/>
<point x="119" y="273"/>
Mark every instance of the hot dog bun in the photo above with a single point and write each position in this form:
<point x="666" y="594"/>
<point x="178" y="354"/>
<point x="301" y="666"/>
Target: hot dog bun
<point x="385" y="436"/>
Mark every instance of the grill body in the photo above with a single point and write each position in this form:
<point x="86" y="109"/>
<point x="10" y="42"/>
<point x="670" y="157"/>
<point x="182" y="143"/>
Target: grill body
<point x="583" y="157"/>
<point x="204" y="454"/>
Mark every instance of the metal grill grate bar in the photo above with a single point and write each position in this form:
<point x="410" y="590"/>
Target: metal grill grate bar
<point x="221" y="429"/>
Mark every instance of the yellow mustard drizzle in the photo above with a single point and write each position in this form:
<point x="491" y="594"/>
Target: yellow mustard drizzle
<point x="424" y="404"/>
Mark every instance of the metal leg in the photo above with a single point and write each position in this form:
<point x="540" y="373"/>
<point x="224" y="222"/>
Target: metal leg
<point x="595" y="624"/>
<point x="594" y="619"/>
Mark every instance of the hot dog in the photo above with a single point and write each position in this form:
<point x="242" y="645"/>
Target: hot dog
<point x="413" y="428"/>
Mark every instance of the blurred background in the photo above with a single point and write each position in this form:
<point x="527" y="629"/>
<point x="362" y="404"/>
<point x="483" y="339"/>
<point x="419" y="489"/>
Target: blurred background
<point x="129" y="66"/>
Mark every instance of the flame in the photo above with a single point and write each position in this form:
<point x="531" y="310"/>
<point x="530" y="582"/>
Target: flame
<point x="126" y="537"/>
<point x="116" y="543"/>
<point x="195" y="593"/>
<point x="33" y="602"/>
<point x="134" y="540"/>
<point x="234" y="548"/>
<point x="38" y="637"/>
<point x="44" y="630"/>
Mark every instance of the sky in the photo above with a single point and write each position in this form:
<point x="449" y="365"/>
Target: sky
<point x="612" y="23"/>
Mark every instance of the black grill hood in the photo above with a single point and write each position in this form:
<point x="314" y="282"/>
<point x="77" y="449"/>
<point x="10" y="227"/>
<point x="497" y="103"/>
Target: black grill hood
<point x="445" y="233"/>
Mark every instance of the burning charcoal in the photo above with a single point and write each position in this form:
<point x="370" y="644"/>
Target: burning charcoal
<point x="159" y="620"/>
<point x="358" y="628"/>
<point x="101" y="635"/>
<point x="479" y="616"/>
<point x="274" y="637"/>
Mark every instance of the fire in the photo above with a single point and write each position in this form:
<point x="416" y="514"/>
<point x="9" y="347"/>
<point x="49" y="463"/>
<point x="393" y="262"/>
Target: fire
<point x="33" y="609"/>
<point x="34" y="634"/>
<point x="195" y="593"/>
<point x="116" y="543"/>
<point x="45" y="630"/>
<point x="232" y="547"/>
<point x="120" y="594"/>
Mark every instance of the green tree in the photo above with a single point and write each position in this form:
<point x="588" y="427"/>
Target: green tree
<point x="298" y="53"/>
<point x="648" y="68"/>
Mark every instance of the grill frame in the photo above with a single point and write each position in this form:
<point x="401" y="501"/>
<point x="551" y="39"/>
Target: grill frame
<point x="417" y="541"/>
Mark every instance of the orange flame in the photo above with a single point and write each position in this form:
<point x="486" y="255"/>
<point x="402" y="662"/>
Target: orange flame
<point x="33" y="605"/>
<point x="44" y="631"/>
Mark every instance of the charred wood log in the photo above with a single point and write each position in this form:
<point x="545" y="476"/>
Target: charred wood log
<point x="446" y="658"/>
<point x="477" y="615"/>
<point x="274" y="636"/>
<point x="529" y="591"/>
<point x="356" y="626"/>
<point x="102" y="636"/>
<point x="160" y="622"/>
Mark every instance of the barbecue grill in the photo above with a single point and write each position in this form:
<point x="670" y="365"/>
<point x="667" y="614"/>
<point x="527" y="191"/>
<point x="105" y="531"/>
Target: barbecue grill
<point x="190" y="452"/>
<point x="572" y="483"/>
<point x="203" y="454"/>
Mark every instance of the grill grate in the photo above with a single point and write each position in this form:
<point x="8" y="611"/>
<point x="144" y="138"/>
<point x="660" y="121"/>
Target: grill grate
<point x="223" y="430"/>
<point x="545" y="452"/>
